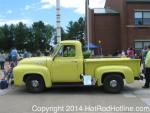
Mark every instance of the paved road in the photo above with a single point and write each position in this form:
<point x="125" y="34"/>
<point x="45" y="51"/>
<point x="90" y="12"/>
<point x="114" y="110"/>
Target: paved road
<point x="17" y="100"/>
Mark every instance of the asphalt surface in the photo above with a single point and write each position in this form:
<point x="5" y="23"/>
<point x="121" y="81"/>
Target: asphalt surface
<point x="74" y="99"/>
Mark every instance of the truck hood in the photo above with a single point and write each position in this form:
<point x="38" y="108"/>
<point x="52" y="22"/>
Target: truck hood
<point x="35" y="60"/>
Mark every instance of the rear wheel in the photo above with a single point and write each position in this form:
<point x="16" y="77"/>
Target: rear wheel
<point x="35" y="84"/>
<point x="113" y="83"/>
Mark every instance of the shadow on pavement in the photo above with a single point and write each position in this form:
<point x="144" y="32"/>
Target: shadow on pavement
<point x="67" y="90"/>
<point x="75" y="90"/>
<point x="57" y="90"/>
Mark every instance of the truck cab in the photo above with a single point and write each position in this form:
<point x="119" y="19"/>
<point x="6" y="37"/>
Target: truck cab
<point x="67" y="64"/>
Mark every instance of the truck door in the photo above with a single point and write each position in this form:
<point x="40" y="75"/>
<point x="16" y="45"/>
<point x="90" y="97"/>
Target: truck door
<point x="66" y="65"/>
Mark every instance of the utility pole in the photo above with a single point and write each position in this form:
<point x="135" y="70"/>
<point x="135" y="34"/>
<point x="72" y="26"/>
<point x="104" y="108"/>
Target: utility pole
<point x="87" y="23"/>
<point x="58" y="30"/>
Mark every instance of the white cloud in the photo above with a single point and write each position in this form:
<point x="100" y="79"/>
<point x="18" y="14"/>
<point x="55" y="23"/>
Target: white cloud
<point x="97" y="3"/>
<point x="28" y="7"/>
<point x="46" y="6"/>
<point x="33" y="6"/>
<point x="9" y="22"/>
<point x="77" y="5"/>
<point x="9" y="12"/>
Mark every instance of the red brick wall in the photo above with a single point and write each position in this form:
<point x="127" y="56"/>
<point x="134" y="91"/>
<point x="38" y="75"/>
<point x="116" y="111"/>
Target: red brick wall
<point x="136" y="33"/>
<point x="120" y="6"/>
<point x="107" y="29"/>
<point x="114" y="4"/>
<point x="130" y="10"/>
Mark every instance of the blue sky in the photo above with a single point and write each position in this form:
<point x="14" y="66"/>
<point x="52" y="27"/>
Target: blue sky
<point x="29" y="11"/>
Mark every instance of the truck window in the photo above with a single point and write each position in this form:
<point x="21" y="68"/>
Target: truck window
<point x="67" y="51"/>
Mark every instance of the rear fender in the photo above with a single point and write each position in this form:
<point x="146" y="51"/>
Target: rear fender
<point x="124" y="70"/>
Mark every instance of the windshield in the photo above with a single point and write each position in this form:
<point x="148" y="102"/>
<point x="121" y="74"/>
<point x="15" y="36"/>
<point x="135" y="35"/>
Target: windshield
<point x="55" y="50"/>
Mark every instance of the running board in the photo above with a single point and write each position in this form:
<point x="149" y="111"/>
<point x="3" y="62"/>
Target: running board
<point x="68" y="84"/>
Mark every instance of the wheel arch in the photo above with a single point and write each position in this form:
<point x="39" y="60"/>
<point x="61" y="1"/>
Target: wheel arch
<point x="124" y="71"/>
<point x="31" y="74"/>
<point x="46" y="81"/>
<point x="113" y="73"/>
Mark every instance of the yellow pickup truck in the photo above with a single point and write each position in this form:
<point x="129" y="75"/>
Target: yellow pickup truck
<point x="67" y="66"/>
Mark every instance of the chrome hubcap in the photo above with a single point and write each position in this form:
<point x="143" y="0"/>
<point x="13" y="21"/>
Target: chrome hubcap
<point x="35" y="83"/>
<point x="113" y="83"/>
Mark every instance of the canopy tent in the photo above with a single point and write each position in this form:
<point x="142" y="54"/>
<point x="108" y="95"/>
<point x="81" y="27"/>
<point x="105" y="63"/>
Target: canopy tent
<point x="92" y="46"/>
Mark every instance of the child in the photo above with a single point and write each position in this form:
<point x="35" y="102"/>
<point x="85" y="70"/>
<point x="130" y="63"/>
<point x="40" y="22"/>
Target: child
<point x="8" y="75"/>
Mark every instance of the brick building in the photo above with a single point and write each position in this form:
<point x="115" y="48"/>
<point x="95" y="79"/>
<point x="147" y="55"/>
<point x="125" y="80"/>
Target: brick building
<point x="120" y="25"/>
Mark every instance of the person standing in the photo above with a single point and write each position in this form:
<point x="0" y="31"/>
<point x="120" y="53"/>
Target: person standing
<point x="25" y="54"/>
<point x="14" y="55"/>
<point x="2" y="59"/>
<point x="144" y="53"/>
<point x="147" y="69"/>
<point x="123" y="53"/>
<point x="130" y="53"/>
<point x="38" y="53"/>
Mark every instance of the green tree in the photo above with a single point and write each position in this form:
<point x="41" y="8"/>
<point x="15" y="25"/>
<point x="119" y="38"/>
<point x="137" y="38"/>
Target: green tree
<point x="49" y="32"/>
<point x="20" y="36"/>
<point x="2" y="36"/>
<point x="12" y="32"/>
<point x="75" y="30"/>
<point x="6" y="41"/>
<point x="41" y="34"/>
<point x="29" y="43"/>
<point x="38" y="35"/>
<point x="63" y="34"/>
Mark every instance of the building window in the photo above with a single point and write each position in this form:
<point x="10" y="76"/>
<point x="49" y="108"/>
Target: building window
<point x="142" y="17"/>
<point x="139" y="44"/>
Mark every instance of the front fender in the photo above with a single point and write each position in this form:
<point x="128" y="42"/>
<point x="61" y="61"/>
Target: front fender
<point x="21" y="70"/>
<point x="126" y="71"/>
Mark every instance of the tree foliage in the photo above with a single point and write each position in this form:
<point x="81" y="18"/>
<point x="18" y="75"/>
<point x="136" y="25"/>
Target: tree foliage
<point x="75" y="30"/>
<point x="20" y="36"/>
<point x="37" y="36"/>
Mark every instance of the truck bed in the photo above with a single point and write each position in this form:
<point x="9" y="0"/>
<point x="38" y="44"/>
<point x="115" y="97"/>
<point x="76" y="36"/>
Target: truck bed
<point x="92" y="64"/>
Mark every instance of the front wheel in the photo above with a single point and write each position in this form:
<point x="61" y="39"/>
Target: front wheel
<point x="113" y="83"/>
<point x="35" y="84"/>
